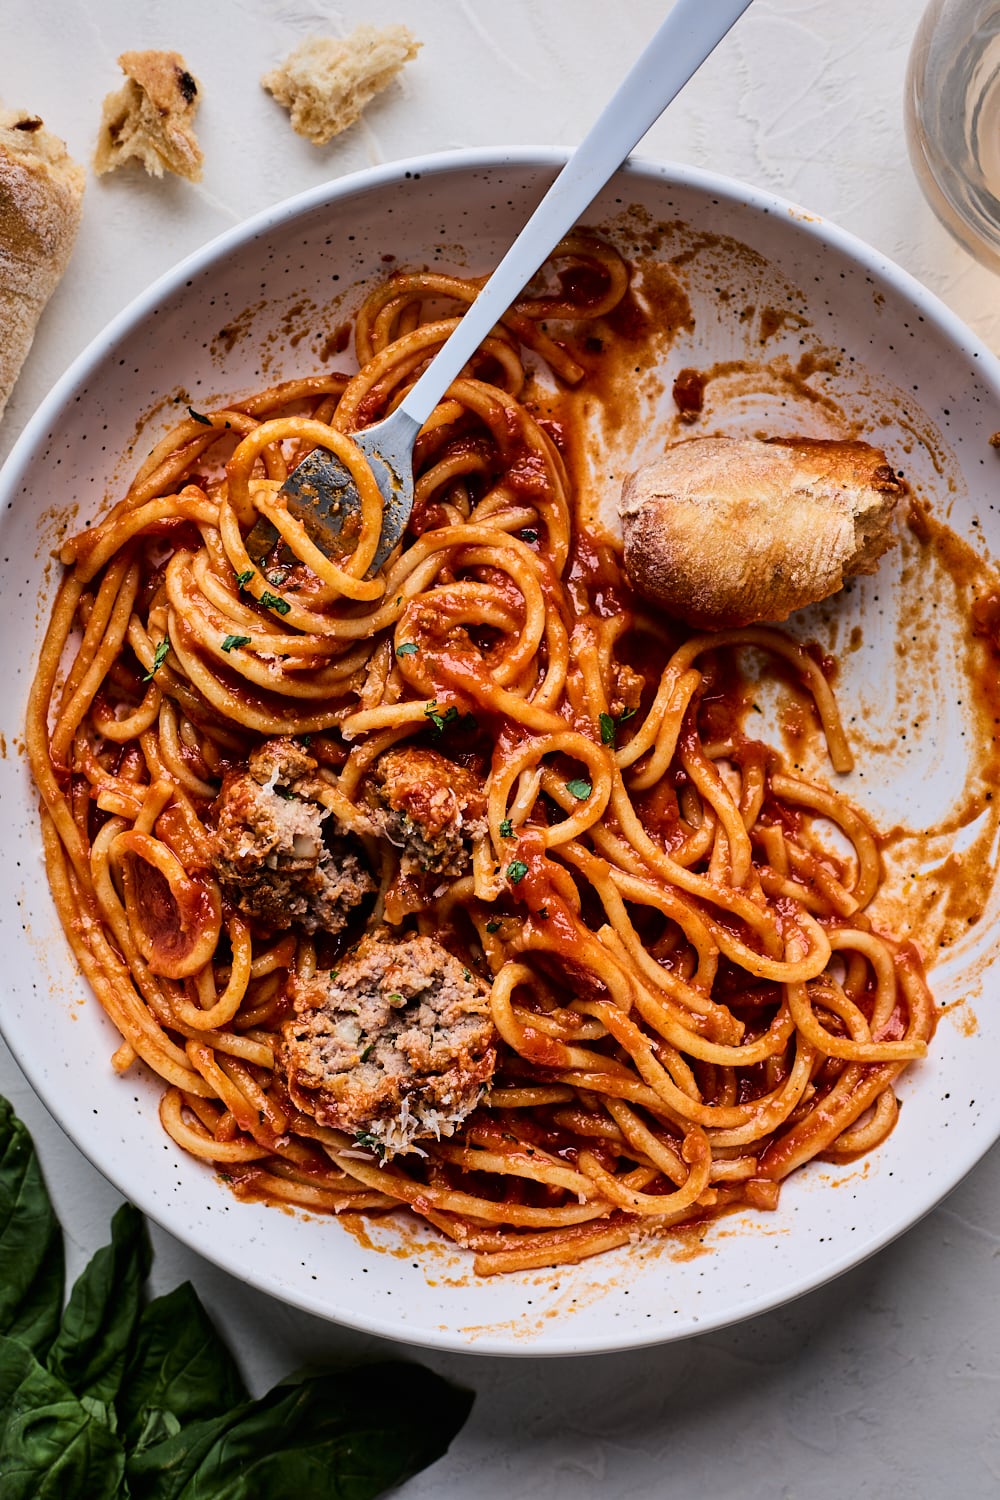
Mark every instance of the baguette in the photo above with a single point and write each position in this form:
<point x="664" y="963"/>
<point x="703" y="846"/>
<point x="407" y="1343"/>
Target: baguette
<point x="725" y="532"/>
<point x="41" y="199"/>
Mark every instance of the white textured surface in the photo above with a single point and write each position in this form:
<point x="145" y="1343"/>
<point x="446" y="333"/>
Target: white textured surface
<point x="885" y="1382"/>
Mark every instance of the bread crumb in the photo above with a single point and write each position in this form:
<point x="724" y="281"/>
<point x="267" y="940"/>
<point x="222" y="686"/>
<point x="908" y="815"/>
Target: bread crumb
<point x="41" y="199"/>
<point x="150" y="119"/>
<point x="326" y="82"/>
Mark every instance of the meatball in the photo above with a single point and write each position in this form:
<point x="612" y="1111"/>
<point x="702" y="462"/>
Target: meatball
<point x="429" y="807"/>
<point x="394" y="1046"/>
<point x="273" y="855"/>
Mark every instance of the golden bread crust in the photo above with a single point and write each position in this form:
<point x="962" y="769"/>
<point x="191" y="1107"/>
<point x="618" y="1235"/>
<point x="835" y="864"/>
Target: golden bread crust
<point x="41" y="200"/>
<point x="725" y="532"/>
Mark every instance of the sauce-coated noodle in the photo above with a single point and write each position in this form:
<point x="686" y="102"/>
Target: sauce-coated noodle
<point x="688" y="999"/>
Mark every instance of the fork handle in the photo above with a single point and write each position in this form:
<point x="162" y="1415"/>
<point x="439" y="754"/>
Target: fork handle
<point x="691" y="31"/>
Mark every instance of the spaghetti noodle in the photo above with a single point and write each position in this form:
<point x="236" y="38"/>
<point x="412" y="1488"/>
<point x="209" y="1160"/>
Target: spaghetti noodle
<point x="664" y="993"/>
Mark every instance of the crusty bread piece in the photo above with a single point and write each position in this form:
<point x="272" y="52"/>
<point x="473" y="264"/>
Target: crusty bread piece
<point x="326" y="82"/>
<point x="725" y="532"/>
<point x="150" y="119"/>
<point x="41" y="199"/>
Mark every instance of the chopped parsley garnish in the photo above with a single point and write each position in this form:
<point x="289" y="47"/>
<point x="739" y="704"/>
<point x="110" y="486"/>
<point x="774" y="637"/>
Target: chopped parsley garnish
<point x="159" y="657"/>
<point x="493" y="926"/>
<point x="242" y="579"/>
<point x="609" y="726"/>
<point x="507" y="829"/>
<point x="579" y="788"/>
<point x="395" y="998"/>
<point x="284" y="792"/>
<point x="408" y="648"/>
<point x="527" y="535"/>
<point x="199" y="417"/>
<point x="273" y="601"/>
<point x="370" y="1143"/>
<point x="438" y="719"/>
<point x="366" y="1054"/>
<point x="466" y="975"/>
<point x="232" y="641"/>
<point x="516" y="871"/>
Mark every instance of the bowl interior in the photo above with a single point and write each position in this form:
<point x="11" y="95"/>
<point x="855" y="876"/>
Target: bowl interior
<point x="803" y="330"/>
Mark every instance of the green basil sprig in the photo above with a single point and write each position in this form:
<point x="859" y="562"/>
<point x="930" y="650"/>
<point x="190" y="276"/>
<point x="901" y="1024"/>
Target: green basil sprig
<point x="114" y="1397"/>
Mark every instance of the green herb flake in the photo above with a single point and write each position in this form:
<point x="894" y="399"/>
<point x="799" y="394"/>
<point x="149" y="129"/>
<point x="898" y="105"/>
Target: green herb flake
<point x="516" y="871"/>
<point x="232" y="641"/>
<point x="527" y="535"/>
<point x="493" y="926"/>
<point x="395" y="998"/>
<point x="366" y="1054"/>
<point x="579" y="789"/>
<point x="284" y="792"/>
<point x="507" y="829"/>
<point x="370" y="1143"/>
<point x="466" y="975"/>
<point x="438" y="719"/>
<point x="159" y="657"/>
<point x="610" y="726"/>
<point x="273" y="601"/>
<point x="242" y="579"/>
<point x="199" y="417"/>
<point x="408" y="648"/>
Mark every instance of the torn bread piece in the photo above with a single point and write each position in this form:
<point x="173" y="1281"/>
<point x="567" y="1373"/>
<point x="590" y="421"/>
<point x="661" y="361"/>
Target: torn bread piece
<point x="41" y="199"/>
<point x="326" y="82"/>
<point x="725" y="532"/>
<point x="150" y="119"/>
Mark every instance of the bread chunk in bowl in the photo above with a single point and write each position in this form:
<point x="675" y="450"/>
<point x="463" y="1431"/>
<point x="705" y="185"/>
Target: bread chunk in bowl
<point x="725" y="532"/>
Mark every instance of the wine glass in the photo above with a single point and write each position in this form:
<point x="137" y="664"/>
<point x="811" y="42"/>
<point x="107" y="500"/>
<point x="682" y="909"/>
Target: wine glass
<point x="952" y="113"/>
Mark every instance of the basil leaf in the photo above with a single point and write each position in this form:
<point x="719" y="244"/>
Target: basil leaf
<point x="90" y="1351"/>
<point x="51" y="1447"/>
<point x="346" y="1436"/>
<point x="32" y="1275"/>
<point x="232" y="641"/>
<point x="178" y="1371"/>
<point x="607" y="729"/>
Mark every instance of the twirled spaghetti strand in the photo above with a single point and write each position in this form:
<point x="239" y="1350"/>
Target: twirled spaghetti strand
<point x="689" y="999"/>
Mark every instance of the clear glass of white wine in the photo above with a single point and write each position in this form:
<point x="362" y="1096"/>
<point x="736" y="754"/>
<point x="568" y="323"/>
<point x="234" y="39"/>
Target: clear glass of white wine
<point x="952" y="116"/>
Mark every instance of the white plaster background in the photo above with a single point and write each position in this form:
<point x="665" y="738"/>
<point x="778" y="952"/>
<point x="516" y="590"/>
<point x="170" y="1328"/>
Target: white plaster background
<point x="887" y="1382"/>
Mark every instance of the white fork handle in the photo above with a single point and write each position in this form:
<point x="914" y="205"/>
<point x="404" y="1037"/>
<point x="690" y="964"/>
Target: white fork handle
<point x="691" y="31"/>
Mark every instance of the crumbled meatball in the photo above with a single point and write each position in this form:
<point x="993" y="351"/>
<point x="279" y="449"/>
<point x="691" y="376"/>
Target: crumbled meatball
<point x="393" y="1047"/>
<point x="429" y="807"/>
<point x="273" y="856"/>
<point x="627" y="693"/>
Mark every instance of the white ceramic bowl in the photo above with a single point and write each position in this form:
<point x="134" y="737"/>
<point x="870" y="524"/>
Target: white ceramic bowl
<point x="230" y="319"/>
